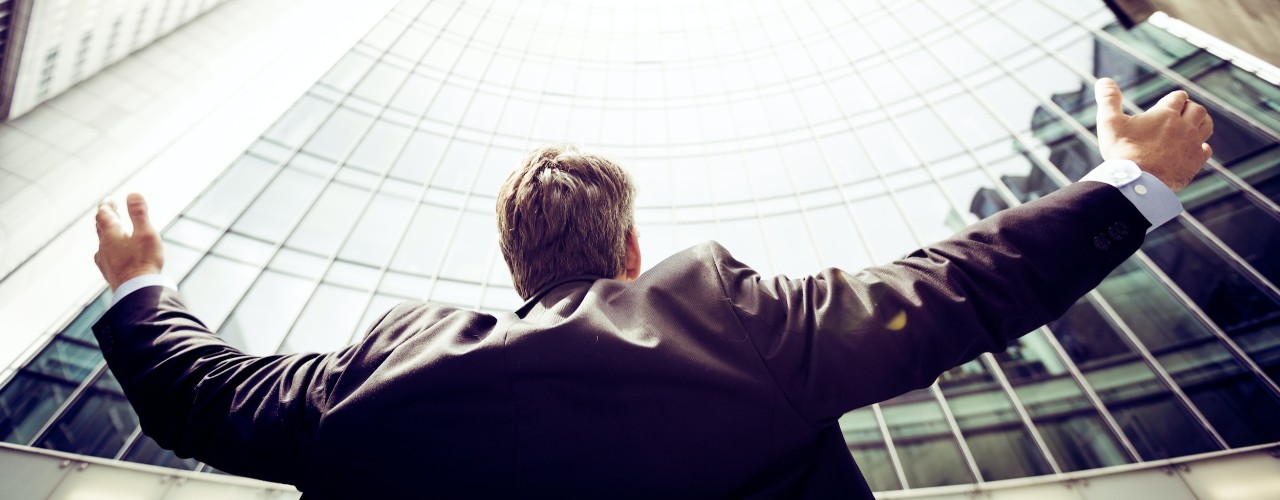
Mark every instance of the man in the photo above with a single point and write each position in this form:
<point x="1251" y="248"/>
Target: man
<point x="696" y="379"/>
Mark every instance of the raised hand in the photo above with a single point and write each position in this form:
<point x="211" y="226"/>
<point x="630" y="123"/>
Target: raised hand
<point x="122" y="256"/>
<point x="1167" y="140"/>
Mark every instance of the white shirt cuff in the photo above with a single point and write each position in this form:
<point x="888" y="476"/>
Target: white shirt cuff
<point x="1155" y="200"/>
<point x="138" y="283"/>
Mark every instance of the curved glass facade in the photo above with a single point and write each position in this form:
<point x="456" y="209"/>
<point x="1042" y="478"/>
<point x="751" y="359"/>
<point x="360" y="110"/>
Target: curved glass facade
<point x="800" y="136"/>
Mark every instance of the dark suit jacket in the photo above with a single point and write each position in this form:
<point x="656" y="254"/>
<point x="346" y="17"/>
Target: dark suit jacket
<point x="702" y="379"/>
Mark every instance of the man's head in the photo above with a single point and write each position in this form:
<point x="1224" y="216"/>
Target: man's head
<point x="565" y="213"/>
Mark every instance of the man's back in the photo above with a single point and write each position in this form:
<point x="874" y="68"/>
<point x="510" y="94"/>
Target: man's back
<point x="641" y="390"/>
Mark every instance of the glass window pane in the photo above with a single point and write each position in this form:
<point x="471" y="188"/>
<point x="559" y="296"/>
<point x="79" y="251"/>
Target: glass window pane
<point x="416" y="94"/>
<point x="969" y="120"/>
<point x="330" y="219"/>
<point x="97" y="424"/>
<point x="268" y="310"/>
<point x="420" y="157"/>
<point x="449" y="104"/>
<point x="890" y="238"/>
<point x="348" y="71"/>
<point x="300" y="121"/>
<point x="379" y="147"/>
<point x="1238" y="306"/>
<point x="426" y="241"/>
<point x="378" y="231"/>
<point x="890" y="153"/>
<point x="790" y="244"/>
<point x="380" y="82"/>
<point x="484" y="111"/>
<point x="228" y="196"/>
<point x="1248" y="229"/>
<point x="26" y="403"/>
<point x="1245" y="92"/>
<point x="862" y="435"/>
<point x="1235" y="403"/>
<point x="839" y="245"/>
<point x="145" y="450"/>
<point x="928" y="135"/>
<point x="926" y="446"/>
<point x="743" y="239"/>
<point x="81" y="328"/>
<point x="280" y="206"/>
<point x="65" y="360"/>
<point x="244" y="249"/>
<point x="996" y="436"/>
<point x="1147" y="413"/>
<point x="460" y="164"/>
<point x="327" y="321"/>
<point x="192" y="233"/>
<point x="928" y="210"/>
<point x="379" y="305"/>
<point x="1070" y="426"/>
<point x="214" y="287"/>
<point x="471" y="248"/>
<point x="335" y="138"/>
<point x="455" y="293"/>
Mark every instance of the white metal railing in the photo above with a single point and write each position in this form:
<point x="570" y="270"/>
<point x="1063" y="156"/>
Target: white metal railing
<point x="34" y="473"/>
<point x="1239" y="474"/>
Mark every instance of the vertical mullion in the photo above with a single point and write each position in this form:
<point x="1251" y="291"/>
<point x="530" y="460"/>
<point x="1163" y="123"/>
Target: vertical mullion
<point x="1109" y="313"/>
<point x="73" y="398"/>
<point x="989" y="360"/>
<point x="890" y="449"/>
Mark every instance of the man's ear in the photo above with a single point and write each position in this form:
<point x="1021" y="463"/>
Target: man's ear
<point x="632" y="270"/>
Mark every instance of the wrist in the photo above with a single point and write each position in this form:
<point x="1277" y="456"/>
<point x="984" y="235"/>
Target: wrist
<point x="132" y="273"/>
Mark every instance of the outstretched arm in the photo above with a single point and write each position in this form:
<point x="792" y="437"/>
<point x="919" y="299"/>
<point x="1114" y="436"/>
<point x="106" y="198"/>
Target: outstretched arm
<point x="837" y="341"/>
<point x="193" y="393"/>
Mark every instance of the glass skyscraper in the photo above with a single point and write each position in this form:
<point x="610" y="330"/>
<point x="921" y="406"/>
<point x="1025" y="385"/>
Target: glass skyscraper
<point x="799" y="135"/>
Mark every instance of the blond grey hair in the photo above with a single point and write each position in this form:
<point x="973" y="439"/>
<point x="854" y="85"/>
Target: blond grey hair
<point x="562" y="213"/>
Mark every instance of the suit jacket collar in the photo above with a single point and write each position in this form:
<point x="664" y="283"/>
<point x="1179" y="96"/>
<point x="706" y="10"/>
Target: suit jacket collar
<point x="542" y="292"/>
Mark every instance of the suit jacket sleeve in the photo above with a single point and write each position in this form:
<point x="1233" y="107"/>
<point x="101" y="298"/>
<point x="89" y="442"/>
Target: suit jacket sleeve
<point x="838" y="341"/>
<point x="202" y="398"/>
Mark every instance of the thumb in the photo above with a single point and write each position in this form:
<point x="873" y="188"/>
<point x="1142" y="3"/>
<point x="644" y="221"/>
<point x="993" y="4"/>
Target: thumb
<point x="138" y="213"/>
<point x="1176" y="101"/>
<point x="1107" y="92"/>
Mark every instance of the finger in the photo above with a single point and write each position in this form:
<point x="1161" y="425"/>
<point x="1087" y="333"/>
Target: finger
<point x="1206" y="127"/>
<point x="1110" y="100"/>
<point x="138" y="213"/>
<point x="1208" y="151"/>
<point x="107" y="219"/>
<point x="1194" y="113"/>
<point x="1175" y="101"/>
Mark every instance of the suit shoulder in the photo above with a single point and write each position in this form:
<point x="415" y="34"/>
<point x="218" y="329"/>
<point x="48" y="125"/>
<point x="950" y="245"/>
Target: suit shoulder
<point x="418" y="316"/>
<point x="704" y="255"/>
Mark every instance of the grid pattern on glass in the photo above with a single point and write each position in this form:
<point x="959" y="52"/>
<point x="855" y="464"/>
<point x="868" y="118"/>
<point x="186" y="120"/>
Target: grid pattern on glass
<point x="800" y="136"/>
